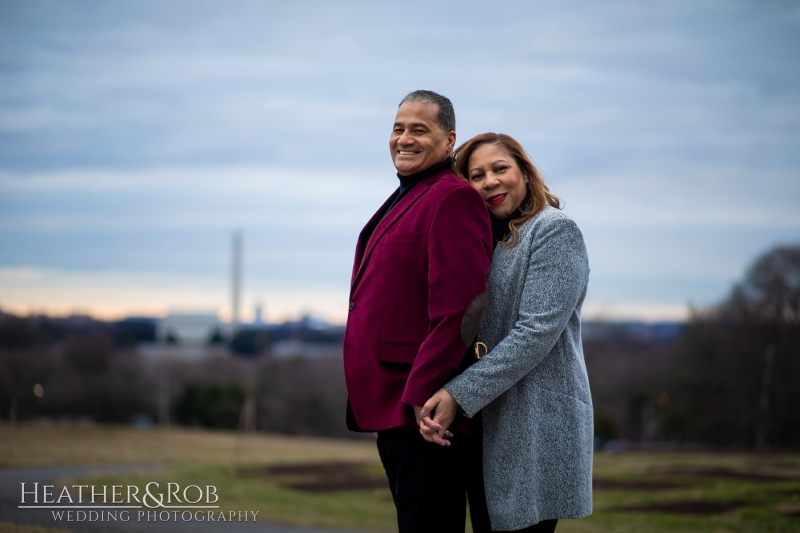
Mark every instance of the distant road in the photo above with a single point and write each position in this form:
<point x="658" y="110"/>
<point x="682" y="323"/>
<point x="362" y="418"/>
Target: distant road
<point x="10" y="480"/>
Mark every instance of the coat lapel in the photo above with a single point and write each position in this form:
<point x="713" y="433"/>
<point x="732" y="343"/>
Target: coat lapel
<point x="369" y="229"/>
<point x="388" y="221"/>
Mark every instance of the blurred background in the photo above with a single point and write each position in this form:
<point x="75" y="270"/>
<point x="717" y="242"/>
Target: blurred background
<point x="182" y="185"/>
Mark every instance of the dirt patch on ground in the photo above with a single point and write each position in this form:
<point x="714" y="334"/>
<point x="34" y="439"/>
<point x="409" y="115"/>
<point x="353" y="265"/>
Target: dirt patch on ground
<point x="723" y="473"/>
<point x="791" y="511"/>
<point x="322" y="477"/>
<point x="793" y="493"/>
<point x="701" y="507"/>
<point x="783" y="464"/>
<point x="627" y="484"/>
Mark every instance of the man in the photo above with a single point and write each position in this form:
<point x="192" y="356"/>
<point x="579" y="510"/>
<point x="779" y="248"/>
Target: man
<point x="417" y="295"/>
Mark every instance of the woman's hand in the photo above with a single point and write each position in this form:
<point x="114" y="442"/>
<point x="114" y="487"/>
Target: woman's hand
<point x="443" y="408"/>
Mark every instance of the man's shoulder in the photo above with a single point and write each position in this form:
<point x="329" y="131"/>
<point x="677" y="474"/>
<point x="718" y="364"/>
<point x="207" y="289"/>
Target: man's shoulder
<point x="449" y="179"/>
<point x="447" y="183"/>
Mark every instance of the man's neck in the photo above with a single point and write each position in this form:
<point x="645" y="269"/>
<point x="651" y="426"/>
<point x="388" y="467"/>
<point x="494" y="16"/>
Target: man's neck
<point x="430" y="171"/>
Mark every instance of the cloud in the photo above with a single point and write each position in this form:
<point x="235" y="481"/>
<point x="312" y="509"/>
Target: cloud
<point x="135" y="136"/>
<point x="189" y="198"/>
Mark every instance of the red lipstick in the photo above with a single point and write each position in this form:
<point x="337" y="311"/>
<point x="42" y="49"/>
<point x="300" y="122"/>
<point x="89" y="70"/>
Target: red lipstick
<point x="496" y="200"/>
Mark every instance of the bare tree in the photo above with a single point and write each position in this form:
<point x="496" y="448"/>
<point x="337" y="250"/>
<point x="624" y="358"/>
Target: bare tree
<point x="770" y="291"/>
<point x="737" y="369"/>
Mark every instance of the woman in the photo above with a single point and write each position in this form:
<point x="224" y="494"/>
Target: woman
<point x="531" y="386"/>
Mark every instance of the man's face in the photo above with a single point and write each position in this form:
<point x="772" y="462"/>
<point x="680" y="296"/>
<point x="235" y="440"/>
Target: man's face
<point x="417" y="141"/>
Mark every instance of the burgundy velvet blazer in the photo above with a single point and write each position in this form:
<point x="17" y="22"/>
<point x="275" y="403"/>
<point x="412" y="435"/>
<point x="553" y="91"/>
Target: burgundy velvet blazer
<point x="421" y="272"/>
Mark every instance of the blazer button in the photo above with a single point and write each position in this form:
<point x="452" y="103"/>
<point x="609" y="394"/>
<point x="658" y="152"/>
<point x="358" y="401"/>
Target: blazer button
<point x="352" y="305"/>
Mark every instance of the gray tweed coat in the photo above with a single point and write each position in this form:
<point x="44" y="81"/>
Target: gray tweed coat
<point x="532" y="385"/>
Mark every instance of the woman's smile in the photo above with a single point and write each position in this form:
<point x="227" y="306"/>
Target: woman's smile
<point x="497" y="199"/>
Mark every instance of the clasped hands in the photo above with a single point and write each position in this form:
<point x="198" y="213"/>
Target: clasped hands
<point x="434" y="418"/>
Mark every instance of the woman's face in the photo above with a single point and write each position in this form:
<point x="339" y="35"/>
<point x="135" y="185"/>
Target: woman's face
<point x="494" y="173"/>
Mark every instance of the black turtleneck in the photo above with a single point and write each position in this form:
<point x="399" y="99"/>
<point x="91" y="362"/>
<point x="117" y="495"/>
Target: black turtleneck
<point x="500" y="228"/>
<point x="408" y="182"/>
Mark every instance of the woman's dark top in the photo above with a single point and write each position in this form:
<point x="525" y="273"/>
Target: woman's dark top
<point x="500" y="229"/>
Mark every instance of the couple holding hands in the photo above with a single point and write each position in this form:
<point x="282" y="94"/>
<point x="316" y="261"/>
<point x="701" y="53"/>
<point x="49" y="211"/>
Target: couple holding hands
<point x="463" y="344"/>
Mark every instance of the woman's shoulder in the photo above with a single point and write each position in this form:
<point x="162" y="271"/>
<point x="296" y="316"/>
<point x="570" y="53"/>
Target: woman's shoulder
<point x="548" y="219"/>
<point x="551" y="214"/>
<point x="551" y="228"/>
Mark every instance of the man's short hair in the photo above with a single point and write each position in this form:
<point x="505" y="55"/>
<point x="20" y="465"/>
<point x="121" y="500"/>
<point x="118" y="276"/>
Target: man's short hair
<point x="445" y="117"/>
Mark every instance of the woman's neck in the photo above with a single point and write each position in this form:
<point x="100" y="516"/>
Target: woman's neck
<point x="500" y="226"/>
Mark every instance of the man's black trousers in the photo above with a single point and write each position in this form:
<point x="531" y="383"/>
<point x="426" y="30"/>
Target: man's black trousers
<point x="430" y="483"/>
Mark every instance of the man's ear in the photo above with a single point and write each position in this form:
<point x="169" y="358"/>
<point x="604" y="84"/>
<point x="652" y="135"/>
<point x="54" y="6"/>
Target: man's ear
<point x="451" y="141"/>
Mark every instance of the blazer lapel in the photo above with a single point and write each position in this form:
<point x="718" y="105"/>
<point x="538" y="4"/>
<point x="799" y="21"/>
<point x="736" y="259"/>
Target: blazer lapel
<point x="369" y="229"/>
<point x="387" y="222"/>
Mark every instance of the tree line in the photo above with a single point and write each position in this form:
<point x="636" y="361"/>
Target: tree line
<point x="732" y="378"/>
<point x="729" y="377"/>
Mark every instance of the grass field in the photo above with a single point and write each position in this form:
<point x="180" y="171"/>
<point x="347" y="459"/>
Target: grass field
<point x="335" y="483"/>
<point x="6" y="527"/>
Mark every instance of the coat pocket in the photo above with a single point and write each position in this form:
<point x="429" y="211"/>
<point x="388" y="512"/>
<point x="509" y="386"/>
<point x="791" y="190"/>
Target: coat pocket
<point x="392" y="352"/>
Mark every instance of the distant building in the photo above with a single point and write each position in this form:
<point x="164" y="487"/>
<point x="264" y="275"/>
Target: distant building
<point x="187" y="329"/>
<point x="632" y="331"/>
<point x="297" y="348"/>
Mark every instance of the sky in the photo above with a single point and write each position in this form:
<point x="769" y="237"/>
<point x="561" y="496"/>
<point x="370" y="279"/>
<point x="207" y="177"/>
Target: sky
<point x="137" y="136"/>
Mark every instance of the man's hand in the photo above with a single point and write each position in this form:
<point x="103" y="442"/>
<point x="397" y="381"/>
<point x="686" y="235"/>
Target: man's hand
<point x="443" y="407"/>
<point x="417" y="413"/>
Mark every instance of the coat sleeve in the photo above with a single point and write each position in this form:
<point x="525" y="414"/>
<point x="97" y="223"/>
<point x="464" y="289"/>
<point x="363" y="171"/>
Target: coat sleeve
<point x="459" y="252"/>
<point x="555" y="280"/>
